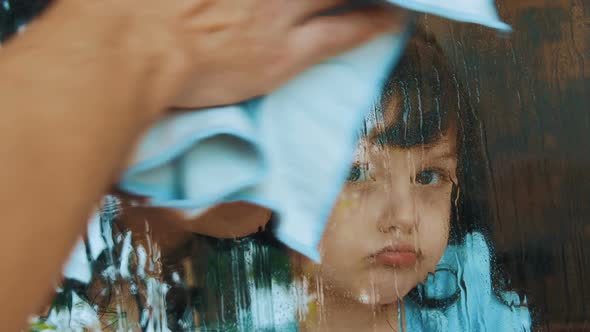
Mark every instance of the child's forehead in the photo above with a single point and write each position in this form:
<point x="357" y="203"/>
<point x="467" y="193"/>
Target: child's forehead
<point x="381" y="117"/>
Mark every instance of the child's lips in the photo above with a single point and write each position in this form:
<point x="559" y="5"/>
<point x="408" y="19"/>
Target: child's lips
<point x="403" y="255"/>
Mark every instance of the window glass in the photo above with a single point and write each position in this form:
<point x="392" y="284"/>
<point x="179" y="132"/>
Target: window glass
<point x="465" y="208"/>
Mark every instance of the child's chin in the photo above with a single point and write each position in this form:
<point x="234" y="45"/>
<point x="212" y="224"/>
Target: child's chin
<point x="382" y="295"/>
<point x="386" y="286"/>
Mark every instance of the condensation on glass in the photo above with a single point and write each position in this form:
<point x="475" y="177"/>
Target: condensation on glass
<point x="465" y="208"/>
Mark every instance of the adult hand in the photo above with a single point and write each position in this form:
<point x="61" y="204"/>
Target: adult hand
<point x="215" y="52"/>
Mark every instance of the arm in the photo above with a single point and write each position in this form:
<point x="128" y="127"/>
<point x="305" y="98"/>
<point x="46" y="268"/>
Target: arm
<point x="66" y="124"/>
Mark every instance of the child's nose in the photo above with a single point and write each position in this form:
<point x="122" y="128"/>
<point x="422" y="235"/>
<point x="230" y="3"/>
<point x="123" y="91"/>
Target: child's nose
<point x="398" y="209"/>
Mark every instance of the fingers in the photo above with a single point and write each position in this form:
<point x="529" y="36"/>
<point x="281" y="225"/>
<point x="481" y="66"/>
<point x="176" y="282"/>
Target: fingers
<point x="326" y="36"/>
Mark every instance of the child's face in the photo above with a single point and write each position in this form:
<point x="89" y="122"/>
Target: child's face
<point x="390" y="226"/>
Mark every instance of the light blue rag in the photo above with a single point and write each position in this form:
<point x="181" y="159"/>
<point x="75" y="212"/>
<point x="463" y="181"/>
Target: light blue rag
<point x="478" y="307"/>
<point x="289" y="151"/>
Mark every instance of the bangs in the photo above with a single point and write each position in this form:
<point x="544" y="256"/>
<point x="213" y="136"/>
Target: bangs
<point x="418" y="101"/>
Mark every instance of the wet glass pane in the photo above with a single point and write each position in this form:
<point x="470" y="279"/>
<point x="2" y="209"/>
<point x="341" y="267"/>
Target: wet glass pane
<point x="465" y="208"/>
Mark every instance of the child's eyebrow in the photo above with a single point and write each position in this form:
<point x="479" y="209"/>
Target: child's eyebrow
<point x="442" y="155"/>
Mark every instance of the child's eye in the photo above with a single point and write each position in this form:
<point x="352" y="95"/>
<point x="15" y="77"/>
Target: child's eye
<point x="429" y="177"/>
<point x="359" y="173"/>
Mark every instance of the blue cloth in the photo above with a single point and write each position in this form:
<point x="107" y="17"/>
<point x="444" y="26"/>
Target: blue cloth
<point x="478" y="307"/>
<point x="289" y="151"/>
